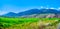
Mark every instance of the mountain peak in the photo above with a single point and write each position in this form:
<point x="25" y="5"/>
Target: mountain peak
<point x="10" y="14"/>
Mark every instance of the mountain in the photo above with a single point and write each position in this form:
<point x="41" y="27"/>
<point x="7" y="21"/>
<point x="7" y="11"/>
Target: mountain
<point x="29" y="12"/>
<point x="11" y="14"/>
<point x="39" y="11"/>
<point x="50" y="11"/>
<point x="32" y="12"/>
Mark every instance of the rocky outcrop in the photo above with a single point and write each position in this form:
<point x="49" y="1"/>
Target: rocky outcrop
<point x="42" y="16"/>
<point x="51" y="16"/>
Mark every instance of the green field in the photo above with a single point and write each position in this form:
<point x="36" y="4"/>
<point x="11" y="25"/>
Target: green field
<point x="28" y="23"/>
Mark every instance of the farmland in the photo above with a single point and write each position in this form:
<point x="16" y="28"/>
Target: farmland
<point x="28" y="23"/>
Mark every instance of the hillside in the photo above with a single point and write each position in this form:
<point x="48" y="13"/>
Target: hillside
<point x="28" y="23"/>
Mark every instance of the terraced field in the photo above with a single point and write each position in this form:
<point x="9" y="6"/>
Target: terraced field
<point x="28" y="23"/>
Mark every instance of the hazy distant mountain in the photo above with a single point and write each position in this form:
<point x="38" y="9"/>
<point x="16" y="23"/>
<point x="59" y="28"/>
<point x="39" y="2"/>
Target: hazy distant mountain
<point x="32" y="12"/>
<point x="11" y="14"/>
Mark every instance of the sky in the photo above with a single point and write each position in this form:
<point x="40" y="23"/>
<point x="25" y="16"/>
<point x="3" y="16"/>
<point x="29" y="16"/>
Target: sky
<point x="24" y="5"/>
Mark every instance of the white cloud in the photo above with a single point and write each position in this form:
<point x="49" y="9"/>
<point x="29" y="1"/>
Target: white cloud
<point x="52" y="8"/>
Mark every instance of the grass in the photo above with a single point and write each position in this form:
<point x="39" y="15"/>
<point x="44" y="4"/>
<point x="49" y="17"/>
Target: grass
<point x="27" y="23"/>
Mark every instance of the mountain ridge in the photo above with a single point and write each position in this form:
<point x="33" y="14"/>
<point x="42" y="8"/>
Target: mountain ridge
<point x="31" y="12"/>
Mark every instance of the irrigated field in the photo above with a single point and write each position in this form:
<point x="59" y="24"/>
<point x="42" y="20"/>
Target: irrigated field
<point x="28" y="23"/>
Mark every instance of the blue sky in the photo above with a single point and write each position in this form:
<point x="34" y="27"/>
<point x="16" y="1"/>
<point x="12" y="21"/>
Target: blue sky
<point x="23" y="5"/>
